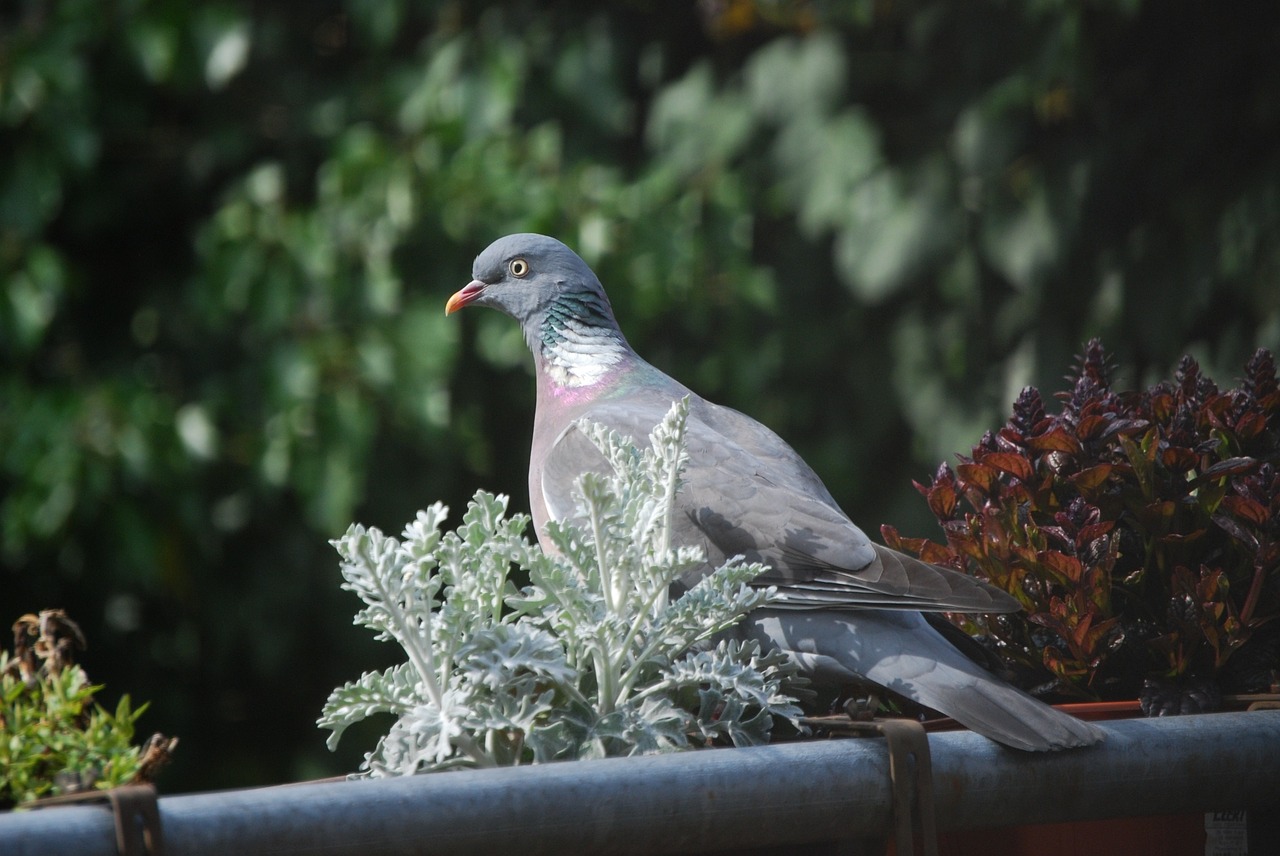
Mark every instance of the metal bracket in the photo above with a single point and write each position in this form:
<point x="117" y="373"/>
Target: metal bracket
<point x="1256" y="701"/>
<point x="137" y="816"/>
<point x="905" y="739"/>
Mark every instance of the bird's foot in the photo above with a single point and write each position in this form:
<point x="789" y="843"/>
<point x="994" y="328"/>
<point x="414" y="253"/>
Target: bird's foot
<point x="863" y="708"/>
<point x="1174" y="698"/>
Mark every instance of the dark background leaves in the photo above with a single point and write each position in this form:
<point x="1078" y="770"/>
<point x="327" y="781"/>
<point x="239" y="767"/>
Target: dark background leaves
<point x="227" y="231"/>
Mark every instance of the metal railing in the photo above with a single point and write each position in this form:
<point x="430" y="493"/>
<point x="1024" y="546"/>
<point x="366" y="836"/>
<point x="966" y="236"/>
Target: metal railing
<point x="793" y="794"/>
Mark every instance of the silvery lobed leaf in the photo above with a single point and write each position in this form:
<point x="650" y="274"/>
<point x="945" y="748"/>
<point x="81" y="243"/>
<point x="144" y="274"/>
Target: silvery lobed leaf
<point x="392" y="690"/>
<point x="513" y="658"/>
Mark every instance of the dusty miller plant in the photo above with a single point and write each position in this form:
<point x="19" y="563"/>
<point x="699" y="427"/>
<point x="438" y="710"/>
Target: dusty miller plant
<point x="589" y="659"/>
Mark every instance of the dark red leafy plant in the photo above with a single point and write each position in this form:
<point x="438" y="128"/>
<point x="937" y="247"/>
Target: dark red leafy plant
<point x="1139" y="530"/>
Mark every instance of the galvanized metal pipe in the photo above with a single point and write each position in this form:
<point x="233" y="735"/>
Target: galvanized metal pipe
<point x="789" y="794"/>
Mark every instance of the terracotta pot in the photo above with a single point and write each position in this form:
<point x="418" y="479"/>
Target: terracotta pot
<point x="1171" y="835"/>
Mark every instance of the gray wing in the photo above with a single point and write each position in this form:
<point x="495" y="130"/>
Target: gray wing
<point x="748" y="493"/>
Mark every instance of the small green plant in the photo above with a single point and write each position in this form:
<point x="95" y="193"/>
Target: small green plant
<point x="589" y="659"/>
<point x="1140" y="531"/>
<point x="54" y="738"/>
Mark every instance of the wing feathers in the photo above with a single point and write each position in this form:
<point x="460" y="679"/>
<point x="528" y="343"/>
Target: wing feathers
<point x="748" y="493"/>
<point x="894" y="581"/>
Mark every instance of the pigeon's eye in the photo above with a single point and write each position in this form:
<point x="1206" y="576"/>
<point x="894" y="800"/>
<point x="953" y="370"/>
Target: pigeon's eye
<point x="519" y="268"/>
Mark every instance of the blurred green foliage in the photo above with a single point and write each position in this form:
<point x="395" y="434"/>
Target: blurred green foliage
<point x="227" y="231"/>
<point x="56" y="739"/>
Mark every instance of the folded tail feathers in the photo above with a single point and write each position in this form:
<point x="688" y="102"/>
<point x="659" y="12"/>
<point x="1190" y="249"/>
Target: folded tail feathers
<point x="901" y="652"/>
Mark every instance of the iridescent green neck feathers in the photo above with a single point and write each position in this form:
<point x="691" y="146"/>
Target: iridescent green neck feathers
<point x="578" y="340"/>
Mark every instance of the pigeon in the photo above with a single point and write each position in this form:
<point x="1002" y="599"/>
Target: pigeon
<point x="847" y="610"/>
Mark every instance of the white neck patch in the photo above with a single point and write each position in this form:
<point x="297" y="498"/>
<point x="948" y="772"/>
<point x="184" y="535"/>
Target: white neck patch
<point x="582" y="355"/>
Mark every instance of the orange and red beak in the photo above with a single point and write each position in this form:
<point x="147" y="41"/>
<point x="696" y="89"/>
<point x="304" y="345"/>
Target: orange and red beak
<point x="468" y="294"/>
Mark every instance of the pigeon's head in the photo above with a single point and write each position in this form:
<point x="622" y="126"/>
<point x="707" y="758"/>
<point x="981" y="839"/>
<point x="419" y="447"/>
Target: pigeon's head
<point x="525" y="276"/>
